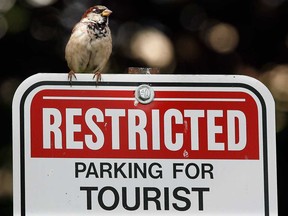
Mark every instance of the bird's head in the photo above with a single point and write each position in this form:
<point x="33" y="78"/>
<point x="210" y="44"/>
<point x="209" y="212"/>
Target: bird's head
<point x="98" y="14"/>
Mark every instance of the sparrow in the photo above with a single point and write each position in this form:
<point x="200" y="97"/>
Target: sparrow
<point x="90" y="44"/>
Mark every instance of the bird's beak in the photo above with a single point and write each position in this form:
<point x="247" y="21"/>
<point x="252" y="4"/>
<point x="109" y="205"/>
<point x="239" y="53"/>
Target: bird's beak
<point x="106" y="12"/>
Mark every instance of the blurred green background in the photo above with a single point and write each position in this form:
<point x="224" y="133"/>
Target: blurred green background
<point x="248" y="37"/>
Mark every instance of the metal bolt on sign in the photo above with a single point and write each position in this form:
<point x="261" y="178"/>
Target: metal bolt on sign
<point x="144" y="94"/>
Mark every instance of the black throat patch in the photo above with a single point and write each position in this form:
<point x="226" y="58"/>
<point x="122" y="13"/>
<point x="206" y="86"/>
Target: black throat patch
<point x="97" y="30"/>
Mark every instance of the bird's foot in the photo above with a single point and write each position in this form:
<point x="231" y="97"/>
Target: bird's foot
<point x="98" y="76"/>
<point x="71" y="74"/>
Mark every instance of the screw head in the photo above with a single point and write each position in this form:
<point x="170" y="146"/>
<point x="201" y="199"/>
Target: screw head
<point x="144" y="94"/>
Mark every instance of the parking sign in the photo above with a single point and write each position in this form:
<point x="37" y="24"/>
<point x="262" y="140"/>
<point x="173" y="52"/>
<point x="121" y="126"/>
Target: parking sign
<point x="147" y="144"/>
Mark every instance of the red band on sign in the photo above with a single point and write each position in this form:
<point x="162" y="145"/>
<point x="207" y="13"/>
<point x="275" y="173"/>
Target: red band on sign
<point x="175" y="125"/>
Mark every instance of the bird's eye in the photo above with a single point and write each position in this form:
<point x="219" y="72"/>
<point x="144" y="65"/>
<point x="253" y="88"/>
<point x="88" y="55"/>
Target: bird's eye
<point x="97" y="10"/>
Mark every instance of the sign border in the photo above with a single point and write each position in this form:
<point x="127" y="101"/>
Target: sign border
<point x="150" y="82"/>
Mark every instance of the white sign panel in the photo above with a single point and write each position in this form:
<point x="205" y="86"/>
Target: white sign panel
<point x="144" y="144"/>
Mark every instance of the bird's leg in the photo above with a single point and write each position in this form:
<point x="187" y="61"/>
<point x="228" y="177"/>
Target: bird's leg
<point x="97" y="74"/>
<point x="71" y="74"/>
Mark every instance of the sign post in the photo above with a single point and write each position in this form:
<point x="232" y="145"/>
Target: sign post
<point x="149" y="144"/>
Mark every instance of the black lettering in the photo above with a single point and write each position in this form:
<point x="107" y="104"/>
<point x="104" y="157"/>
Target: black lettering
<point x="130" y="171"/>
<point x="175" y="170"/>
<point x="158" y="173"/>
<point x="79" y="167"/>
<point x="137" y="169"/>
<point x="92" y="171"/>
<point x="181" y="198"/>
<point x="107" y="169"/>
<point x="207" y="168"/>
<point x="200" y="196"/>
<point x="187" y="169"/>
<point x="125" y="202"/>
<point x="116" y="198"/>
<point x="89" y="198"/>
<point x="119" y="169"/>
<point x="148" y="198"/>
<point x="166" y="198"/>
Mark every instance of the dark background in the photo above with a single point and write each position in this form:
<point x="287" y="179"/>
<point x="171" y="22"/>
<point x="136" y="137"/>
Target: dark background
<point x="33" y="39"/>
